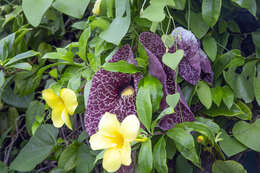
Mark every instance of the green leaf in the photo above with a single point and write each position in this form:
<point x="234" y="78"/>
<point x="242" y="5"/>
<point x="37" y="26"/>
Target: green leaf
<point x="87" y="92"/>
<point x="35" y="108"/>
<point x="22" y="66"/>
<point x="3" y="168"/>
<point x="229" y="145"/>
<point x="214" y="127"/>
<point x="168" y="40"/>
<point x="182" y="165"/>
<point x="204" y="93"/>
<point x="256" y="40"/>
<point x="248" y="4"/>
<point x="2" y="78"/>
<point x="71" y="8"/>
<point x="84" y="165"/>
<point x="217" y="95"/>
<point x="172" y="100"/>
<point x="74" y="82"/>
<point x="68" y="158"/>
<point x="6" y="46"/>
<point x="170" y="148"/>
<point x="145" y="157"/>
<point x="228" y="166"/>
<point x="121" y="66"/>
<point x="13" y="99"/>
<point x="144" y="107"/>
<point x="185" y="144"/>
<point x="37" y="149"/>
<point x="238" y="110"/>
<point x="210" y="47"/>
<point x="57" y="170"/>
<point x="35" y="9"/>
<point x="248" y="134"/>
<point x="22" y="56"/>
<point x="256" y="88"/>
<point x="83" y="40"/>
<point x="172" y="60"/>
<point x="119" y="26"/>
<point x="211" y="11"/>
<point x="155" y="11"/>
<point x="228" y="96"/>
<point x="244" y="89"/>
<point x="167" y="111"/>
<point x="159" y="156"/>
<point x="180" y="4"/>
<point x="195" y="21"/>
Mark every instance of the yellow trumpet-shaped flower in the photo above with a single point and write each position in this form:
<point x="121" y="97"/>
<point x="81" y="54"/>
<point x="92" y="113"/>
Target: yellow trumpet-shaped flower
<point x="116" y="138"/>
<point x="96" y="9"/>
<point x="62" y="105"/>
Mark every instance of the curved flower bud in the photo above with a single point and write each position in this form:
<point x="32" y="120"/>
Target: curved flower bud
<point x="96" y="8"/>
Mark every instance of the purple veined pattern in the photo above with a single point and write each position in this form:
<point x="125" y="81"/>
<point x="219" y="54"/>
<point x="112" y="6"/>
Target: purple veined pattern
<point x="106" y="92"/>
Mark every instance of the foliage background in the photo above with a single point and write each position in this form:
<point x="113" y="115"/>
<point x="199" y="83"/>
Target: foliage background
<point x="47" y="43"/>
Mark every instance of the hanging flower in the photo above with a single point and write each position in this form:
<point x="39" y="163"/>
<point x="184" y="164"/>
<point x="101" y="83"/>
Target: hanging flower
<point x="96" y="8"/>
<point x="116" y="139"/>
<point x="155" y="50"/>
<point x="62" y="105"/>
<point x="112" y="92"/>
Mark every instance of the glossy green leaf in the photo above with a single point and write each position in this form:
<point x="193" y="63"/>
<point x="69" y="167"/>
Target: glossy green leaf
<point x="145" y="157"/>
<point x="228" y="166"/>
<point x="182" y="165"/>
<point x="37" y="149"/>
<point x="248" y="4"/>
<point x="168" y="40"/>
<point x="180" y="4"/>
<point x="119" y="26"/>
<point x="210" y="47"/>
<point x="155" y="11"/>
<point x="83" y="40"/>
<point x="35" y="9"/>
<point x="244" y="89"/>
<point x="214" y="127"/>
<point x="185" y="144"/>
<point x="256" y="40"/>
<point x="229" y="145"/>
<point x="84" y="165"/>
<point x="257" y="88"/>
<point x="211" y="11"/>
<point x="6" y="46"/>
<point x="2" y="78"/>
<point x="68" y="158"/>
<point x="238" y="110"/>
<point x="22" y="56"/>
<point x="144" y="107"/>
<point x="195" y="21"/>
<point x="170" y="148"/>
<point x="121" y="66"/>
<point x="74" y="82"/>
<point x="22" y="66"/>
<point x="228" y="96"/>
<point x="71" y="8"/>
<point x="172" y="60"/>
<point x="172" y="100"/>
<point x="204" y="94"/>
<point x="159" y="156"/>
<point x="217" y="95"/>
<point x="248" y="134"/>
<point x="35" y="108"/>
<point x="3" y="168"/>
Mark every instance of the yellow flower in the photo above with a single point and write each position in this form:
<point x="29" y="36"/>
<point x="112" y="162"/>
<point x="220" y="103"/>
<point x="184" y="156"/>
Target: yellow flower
<point x="116" y="138"/>
<point x="96" y="9"/>
<point x="62" y="105"/>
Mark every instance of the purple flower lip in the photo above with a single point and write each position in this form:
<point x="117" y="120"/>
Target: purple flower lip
<point x="112" y="92"/>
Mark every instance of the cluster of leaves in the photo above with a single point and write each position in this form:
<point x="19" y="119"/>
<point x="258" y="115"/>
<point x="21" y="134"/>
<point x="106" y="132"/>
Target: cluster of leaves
<point x="57" y="44"/>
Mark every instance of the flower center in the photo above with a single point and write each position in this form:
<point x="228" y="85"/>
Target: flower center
<point x="128" y="91"/>
<point x="116" y="138"/>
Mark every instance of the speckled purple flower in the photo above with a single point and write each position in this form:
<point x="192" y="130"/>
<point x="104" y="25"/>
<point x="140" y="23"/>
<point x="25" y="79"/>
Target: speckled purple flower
<point x="112" y="92"/>
<point x="155" y="50"/>
<point x="195" y="64"/>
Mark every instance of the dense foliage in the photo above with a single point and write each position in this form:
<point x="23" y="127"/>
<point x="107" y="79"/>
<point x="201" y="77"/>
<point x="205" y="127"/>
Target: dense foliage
<point x="188" y="69"/>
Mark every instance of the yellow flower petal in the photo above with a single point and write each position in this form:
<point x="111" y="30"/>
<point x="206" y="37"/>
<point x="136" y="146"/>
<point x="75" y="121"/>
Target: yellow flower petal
<point x="96" y="8"/>
<point x="112" y="160"/>
<point x="109" y="123"/>
<point x="99" y="141"/>
<point x="70" y="100"/>
<point x="66" y="119"/>
<point x="51" y="98"/>
<point x="126" y="154"/>
<point x="130" y="127"/>
<point x="56" y="117"/>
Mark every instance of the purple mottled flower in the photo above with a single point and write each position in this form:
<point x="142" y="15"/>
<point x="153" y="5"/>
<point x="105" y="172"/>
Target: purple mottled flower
<point x="155" y="50"/>
<point x="112" y="92"/>
<point x="195" y="64"/>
